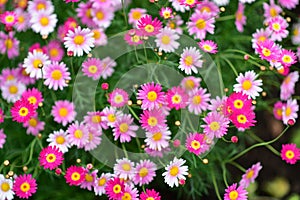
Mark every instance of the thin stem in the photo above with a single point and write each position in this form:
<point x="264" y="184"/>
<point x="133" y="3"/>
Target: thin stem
<point x="237" y="166"/>
<point x="231" y="66"/>
<point x="225" y="18"/>
<point x="124" y="13"/>
<point x="215" y="185"/>
<point x="255" y="137"/>
<point x="133" y="113"/>
<point x="30" y="153"/>
<point x="224" y="174"/>
<point x="125" y="151"/>
<point x="145" y="52"/>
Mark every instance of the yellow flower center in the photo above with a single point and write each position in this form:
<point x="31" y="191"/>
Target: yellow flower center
<point x="136" y="15"/>
<point x="32" y="99"/>
<point x="189" y="2"/>
<point x="93" y="69"/>
<point x="9" y="19"/>
<point x="152" y="96"/>
<point x="97" y="34"/>
<point x="214" y="126"/>
<point x="279" y="112"/>
<point x="200" y="24"/>
<point x="78" y="133"/>
<point x="25" y="187"/>
<point x="44" y="21"/>
<point x="124" y="127"/>
<point x="286" y="59"/>
<point x="157" y="136"/>
<point x="10" y="77"/>
<point x="233" y="195"/>
<point x="111" y="118"/>
<point x="239" y="16"/>
<point x="135" y="38"/>
<point x="152" y="121"/>
<point x="126" y="167"/>
<point x="174" y="171"/>
<point x="21" y="19"/>
<point x="23" y="112"/>
<point x="13" y="89"/>
<point x="33" y="122"/>
<point x="96" y="119"/>
<point x="261" y="38"/>
<point x="149" y="28"/>
<point x="126" y="196"/>
<point x="75" y="176"/>
<point x="41" y="6"/>
<point x="289" y="154"/>
<point x="88" y="13"/>
<point x="176" y="99"/>
<point x="197" y="99"/>
<point x="117" y="189"/>
<point x="89" y="178"/>
<point x="188" y="60"/>
<point x="100" y="15"/>
<point x="165" y="39"/>
<point x="266" y="52"/>
<point x="5" y="187"/>
<point x="246" y="85"/>
<point x="51" y="158"/>
<point x="189" y="84"/>
<point x="143" y="172"/>
<point x="195" y="144"/>
<point x="60" y="139"/>
<point x="150" y="198"/>
<point x="101" y="181"/>
<point x="207" y="47"/>
<point x="53" y="52"/>
<point x="172" y="25"/>
<point x="273" y="12"/>
<point x="36" y="63"/>
<point x="242" y="119"/>
<point x="238" y="104"/>
<point x="295" y="32"/>
<point x="250" y="174"/>
<point x="167" y="15"/>
<point x="8" y="43"/>
<point x="276" y="27"/>
<point x="56" y="74"/>
<point x="288" y="111"/>
<point x="63" y="112"/>
<point x="205" y="9"/>
<point x="118" y="98"/>
<point x="78" y="39"/>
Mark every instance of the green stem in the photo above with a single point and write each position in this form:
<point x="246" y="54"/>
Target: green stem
<point x="237" y="166"/>
<point x="224" y="174"/>
<point x="255" y="137"/>
<point x="124" y="13"/>
<point x="231" y="66"/>
<point x="125" y="151"/>
<point x="215" y="184"/>
<point x="30" y="152"/>
<point x="258" y="145"/>
<point x="133" y="113"/>
<point x="224" y="18"/>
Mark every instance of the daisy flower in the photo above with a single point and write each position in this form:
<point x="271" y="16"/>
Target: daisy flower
<point x="35" y="64"/>
<point x="157" y="153"/>
<point x="176" y="98"/>
<point x="111" y="115"/>
<point x="75" y="175"/>
<point x="100" y="183"/>
<point x="240" y="18"/>
<point x="209" y="7"/>
<point x="289" y="111"/>
<point x="123" y="129"/>
<point x="133" y="37"/>
<point x="115" y="188"/>
<point x="38" y="5"/>
<point x="134" y="15"/>
<point x="84" y="13"/>
<point x="189" y="3"/>
<point x="33" y="96"/>
<point x="277" y="110"/>
<point x="9" y="45"/>
<point x="198" y="100"/>
<point x="151" y="95"/>
<point x="107" y="66"/>
<point x="190" y="60"/>
<point x="158" y="140"/>
<point x="2" y="138"/>
<point x="259" y="36"/>
<point x="55" y="51"/>
<point x="247" y="1"/>
<point x="287" y="58"/>
<point x="6" y="186"/>
<point x="149" y="26"/>
<point x="100" y="37"/>
<point x="34" y="126"/>
<point x="60" y="140"/>
<point x="8" y="74"/>
<point x="124" y="169"/>
<point x="218" y="104"/>
<point x="23" y="76"/>
<point x="175" y="171"/>
<point x="278" y="26"/>
<point x="287" y="87"/>
<point x="89" y="179"/>
<point x="24" y="186"/>
<point x="78" y="134"/>
<point x="235" y="193"/>
<point x="248" y="85"/>
<point x="130" y="192"/>
<point x="250" y="175"/>
<point x="190" y="82"/>
<point x="243" y="120"/>
<point x="118" y="98"/>
<point x="144" y="172"/>
<point x="175" y="24"/>
<point x="9" y="18"/>
<point x="296" y="34"/>
<point x="22" y="111"/>
<point x="12" y="90"/>
<point x="166" y="40"/>
<point x="150" y="194"/>
<point x="92" y="68"/>
<point x="221" y="2"/>
<point x="176" y="4"/>
<point x="152" y="120"/>
<point x="271" y="10"/>
<point x="43" y="22"/>
<point x="95" y="120"/>
<point x="56" y="76"/>
<point x="1" y="116"/>
<point x="208" y="46"/>
<point x="50" y="157"/>
<point x="216" y="125"/>
<point x="237" y="101"/>
<point x="166" y="12"/>
<point x="63" y="112"/>
<point x="268" y="50"/>
<point x="102" y="16"/>
<point x="201" y="23"/>
<point x="290" y="153"/>
<point x="289" y="4"/>
<point x="196" y="143"/>
<point x="94" y="139"/>
<point x="79" y="40"/>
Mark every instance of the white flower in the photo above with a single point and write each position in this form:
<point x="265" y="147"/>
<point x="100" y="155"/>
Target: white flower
<point x="175" y="172"/>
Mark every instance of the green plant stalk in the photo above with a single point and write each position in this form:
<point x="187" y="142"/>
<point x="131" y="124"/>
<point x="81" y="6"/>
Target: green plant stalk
<point x="215" y="184"/>
<point x="268" y="146"/>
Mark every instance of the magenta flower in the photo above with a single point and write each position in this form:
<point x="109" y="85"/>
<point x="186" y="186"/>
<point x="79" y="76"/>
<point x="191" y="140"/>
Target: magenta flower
<point x="177" y="98"/>
<point x="290" y="153"/>
<point x="208" y="46"/>
<point x="150" y="194"/>
<point x="75" y="175"/>
<point x="22" y="111"/>
<point x="149" y="26"/>
<point x="115" y="188"/>
<point x="196" y="143"/>
<point x="234" y="193"/>
<point x="216" y="125"/>
<point x="198" y="100"/>
<point x="24" y="186"/>
<point x="151" y="95"/>
<point x="50" y="157"/>
<point x="153" y="120"/>
<point x="250" y="175"/>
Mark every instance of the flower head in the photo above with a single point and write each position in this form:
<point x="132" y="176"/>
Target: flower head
<point x="208" y="46"/>
<point x="290" y="153"/>
<point x="190" y="60"/>
<point x="56" y="75"/>
<point x="250" y="175"/>
<point x="198" y="100"/>
<point x="115" y="188"/>
<point x="177" y="98"/>
<point x="144" y="172"/>
<point x="50" y="157"/>
<point x="150" y="194"/>
<point x="6" y="188"/>
<point x="166" y="40"/>
<point x="175" y="171"/>
<point x="235" y="193"/>
<point x="22" y="111"/>
<point x="63" y="112"/>
<point x="216" y="125"/>
<point x="124" y="129"/>
<point x="196" y="143"/>
<point x="124" y="169"/>
<point x="151" y="95"/>
<point x="118" y="98"/>
<point x="24" y="186"/>
<point x="149" y="26"/>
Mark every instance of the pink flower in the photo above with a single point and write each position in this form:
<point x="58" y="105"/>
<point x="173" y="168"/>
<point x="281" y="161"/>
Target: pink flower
<point x="92" y="68"/>
<point x="271" y="10"/>
<point x="166" y="40"/>
<point x="78" y="134"/>
<point x="250" y="175"/>
<point x="134" y="15"/>
<point x="123" y="129"/>
<point x="118" y="98"/>
<point x="289" y="4"/>
<point x="9" y="44"/>
<point x="54" y="50"/>
<point x="102" y="15"/>
<point x="22" y="111"/>
<point x="234" y="193"/>
<point x="209" y="7"/>
<point x="190" y="82"/>
<point x="8" y="18"/>
<point x="150" y="194"/>
<point x="63" y="112"/>
<point x="287" y="87"/>
<point x="216" y="125"/>
<point x="144" y="172"/>
<point x="287" y="58"/>
<point x="243" y="120"/>
<point x="237" y="101"/>
<point x="198" y="100"/>
<point x="50" y="157"/>
<point x="34" y="126"/>
<point x="196" y="143"/>
<point x="158" y="140"/>
<point x="84" y="14"/>
<point x="107" y="66"/>
<point x="177" y="98"/>
<point x="268" y="50"/>
<point x="133" y="37"/>
<point x="201" y="23"/>
<point x="278" y="26"/>
<point x="289" y="110"/>
<point x="24" y="186"/>
<point x="151" y="95"/>
<point x="89" y="179"/>
<point x="149" y="26"/>
<point x="75" y="175"/>
<point x="153" y="120"/>
<point x="208" y="46"/>
<point x="2" y="138"/>
<point x="240" y="18"/>
<point x="290" y="153"/>
<point x="259" y="36"/>
<point x="166" y="12"/>
<point x="56" y="75"/>
<point x="115" y="188"/>
<point x="33" y="96"/>
<point x="95" y="120"/>
<point x="190" y="60"/>
<point x="277" y="110"/>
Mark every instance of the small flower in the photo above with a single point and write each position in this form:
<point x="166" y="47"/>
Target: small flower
<point x="133" y="37"/>
<point x="208" y="46"/>
<point x="250" y="175"/>
<point x="196" y="143"/>
<point x="216" y="125"/>
<point x="12" y="90"/>
<point x="151" y="95"/>
<point x="22" y="111"/>
<point x="2" y="138"/>
<point x="287" y="87"/>
<point x="123" y="129"/>
<point x="190" y="60"/>
<point x="166" y="12"/>
<point x="177" y="98"/>
<point x="134" y="15"/>
<point x="78" y="134"/>
<point x="100" y="183"/>
<point x="277" y="110"/>
<point x="268" y="50"/>
<point x="9" y="45"/>
<point x="54" y="50"/>
<point x="234" y="193"/>
<point x="158" y="140"/>
<point x="35" y="64"/>
<point x="63" y="112"/>
<point x="290" y="153"/>
<point x="75" y="175"/>
<point x="107" y="66"/>
<point x="150" y="194"/>
<point x="50" y="157"/>
<point x="33" y="96"/>
<point x="115" y="188"/>
<point x="118" y="98"/>
<point x="271" y="10"/>
<point x="24" y="186"/>
<point x="43" y="22"/>
<point x="144" y="172"/>
<point x="287" y="58"/>
<point x="278" y="26"/>
<point x="92" y="68"/>
<point x="56" y="75"/>
<point x="243" y="120"/>
<point x="9" y="18"/>
<point x="149" y="26"/>
<point x="190" y="82"/>
<point x="237" y="101"/>
<point x="124" y="169"/>
<point x="289" y="110"/>
<point x="89" y="179"/>
<point x="240" y="18"/>
<point x="6" y="186"/>
<point x="152" y="120"/>
<point x="102" y="15"/>
<point x="166" y="40"/>
<point x="59" y="139"/>
<point x="175" y="171"/>
<point x="198" y="100"/>
<point x="34" y="126"/>
<point x="289" y="4"/>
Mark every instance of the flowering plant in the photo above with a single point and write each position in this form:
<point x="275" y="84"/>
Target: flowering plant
<point x="130" y="99"/>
